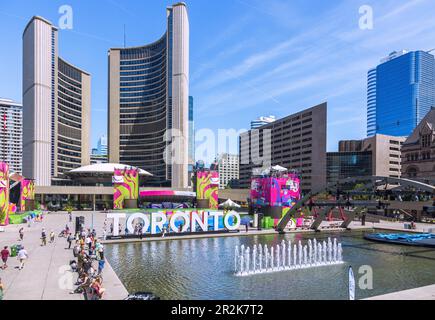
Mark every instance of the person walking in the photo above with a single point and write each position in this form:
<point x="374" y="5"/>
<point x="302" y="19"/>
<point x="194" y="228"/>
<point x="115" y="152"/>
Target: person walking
<point x="43" y="237"/>
<point x="22" y="257"/>
<point x="51" y="236"/>
<point x="5" y="255"/>
<point x="21" y="234"/>
<point x="70" y="216"/>
<point x="101" y="264"/>
<point x="70" y="239"/>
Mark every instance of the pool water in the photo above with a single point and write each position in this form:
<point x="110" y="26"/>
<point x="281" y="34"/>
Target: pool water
<point x="203" y="269"/>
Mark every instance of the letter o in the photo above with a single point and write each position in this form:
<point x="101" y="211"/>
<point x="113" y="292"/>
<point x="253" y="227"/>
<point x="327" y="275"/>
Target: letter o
<point x="235" y="226"/>
<point x="134" y="216"/>
<point x="186" y="224"/>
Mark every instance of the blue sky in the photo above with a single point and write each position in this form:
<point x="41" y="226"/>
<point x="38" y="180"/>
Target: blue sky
<point x="248" y="57"/>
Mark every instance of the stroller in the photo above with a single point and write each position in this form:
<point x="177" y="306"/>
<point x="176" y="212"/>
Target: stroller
<point x="73" y="265"/>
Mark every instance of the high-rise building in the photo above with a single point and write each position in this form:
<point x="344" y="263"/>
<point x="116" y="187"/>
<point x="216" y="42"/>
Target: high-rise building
<point x="297" y="142"/>
<point x="102" y="146"/>
<point x="56" y="108"/>
<point x="371" y="103"/>
<point x="11" y="134"/>
<point x="401" y="91"/>
<point x="261" y="121"/>
<point x="228" y="165"/>
<point x="149" y="104"/>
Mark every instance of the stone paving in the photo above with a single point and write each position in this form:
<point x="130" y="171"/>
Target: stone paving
<point x="46" y="274"/>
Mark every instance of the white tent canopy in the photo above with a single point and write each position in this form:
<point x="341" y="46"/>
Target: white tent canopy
<point x="229" y="204"/>
<point x="279" y="168"/>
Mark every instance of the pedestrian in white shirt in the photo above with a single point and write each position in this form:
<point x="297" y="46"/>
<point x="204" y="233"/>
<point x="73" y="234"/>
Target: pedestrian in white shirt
<point x="22" y="256"/>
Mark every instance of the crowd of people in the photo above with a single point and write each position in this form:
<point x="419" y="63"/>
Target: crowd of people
<point x="88" y="252"/>
<point x="87" y="249"/>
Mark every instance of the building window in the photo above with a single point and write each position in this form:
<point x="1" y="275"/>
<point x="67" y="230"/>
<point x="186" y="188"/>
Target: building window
<point x="425" y="140"/>
<point x="412" y="172"/>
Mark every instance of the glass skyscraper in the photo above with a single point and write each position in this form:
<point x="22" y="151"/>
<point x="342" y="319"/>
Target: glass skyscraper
<point x="400" y="92"/>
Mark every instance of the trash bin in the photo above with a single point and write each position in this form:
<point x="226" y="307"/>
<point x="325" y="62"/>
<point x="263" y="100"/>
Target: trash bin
<point x="14" y="250"/>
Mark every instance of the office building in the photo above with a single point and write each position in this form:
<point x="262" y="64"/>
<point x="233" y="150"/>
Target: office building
<point x="418" y="151"/>
<point x="400" y="92"/>
<point x="149" y="104"/>
<point x="102" y="145"/>
<point x="342" y="165"/>
<point x="385" y="151"/>
<point x="297" y="142"/>
<point x="56" y="108"/>
<point x="261" y="121"/>
<point x="228" y="165"/>
<point x="11" y="134"/>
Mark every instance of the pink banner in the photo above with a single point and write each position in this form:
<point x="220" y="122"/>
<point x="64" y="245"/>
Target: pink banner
<point x="271" y="191"/>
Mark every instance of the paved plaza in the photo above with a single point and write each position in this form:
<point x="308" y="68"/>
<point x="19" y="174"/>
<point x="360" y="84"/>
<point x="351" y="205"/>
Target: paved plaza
<point x="46" y="274"/>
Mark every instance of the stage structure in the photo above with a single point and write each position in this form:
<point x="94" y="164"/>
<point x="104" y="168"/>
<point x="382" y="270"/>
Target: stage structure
<point x="27" y="196"/>
<point x="126" y="188"/>
<point x="207" y="186"/>
<point x="273" y="193"/>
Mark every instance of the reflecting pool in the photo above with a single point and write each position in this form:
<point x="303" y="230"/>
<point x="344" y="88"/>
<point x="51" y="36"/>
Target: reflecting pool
<point x="204" y="269"/>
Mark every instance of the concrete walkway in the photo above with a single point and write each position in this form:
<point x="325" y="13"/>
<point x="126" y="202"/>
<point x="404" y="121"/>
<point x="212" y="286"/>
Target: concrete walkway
<point x="423" y="293"/>
<point x="46" y="274"/>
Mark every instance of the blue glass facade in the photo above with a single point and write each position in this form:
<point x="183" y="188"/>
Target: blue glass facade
<point x="371" y="103"/>
<point x="405" y="92"/>
<point x="342" y="165"/>
<point x="191" y="132"/>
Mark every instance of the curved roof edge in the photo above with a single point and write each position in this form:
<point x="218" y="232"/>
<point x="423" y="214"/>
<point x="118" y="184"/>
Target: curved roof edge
<point x="143" y="46"/>
<point x="73" y="66"/>
<point x="106" y="168"/>
<point x="41" y="19"/>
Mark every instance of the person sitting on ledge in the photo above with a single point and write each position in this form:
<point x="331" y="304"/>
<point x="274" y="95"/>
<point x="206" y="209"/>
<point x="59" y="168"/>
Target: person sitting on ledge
<point x="413" y="226"/>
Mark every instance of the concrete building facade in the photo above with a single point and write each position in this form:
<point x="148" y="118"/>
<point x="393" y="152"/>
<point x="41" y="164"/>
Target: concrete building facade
<point x="11" y="134"/>
<point x="228" y="165"/>
<point x="148" y="125"/>
<point x="297" y="142"/>
<point x="56" y="108"/>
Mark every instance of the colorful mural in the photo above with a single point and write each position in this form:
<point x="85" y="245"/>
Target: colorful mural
<point x="272" y="191"/>
<point x="126" y="186"/>
<point x="207" y="186"/>
<point x="27" y="193"/>
<point x="4" y="193"/>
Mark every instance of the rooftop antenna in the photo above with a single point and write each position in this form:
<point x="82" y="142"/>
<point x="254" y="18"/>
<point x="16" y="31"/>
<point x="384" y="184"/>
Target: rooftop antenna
<point x="125" y="37"/>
